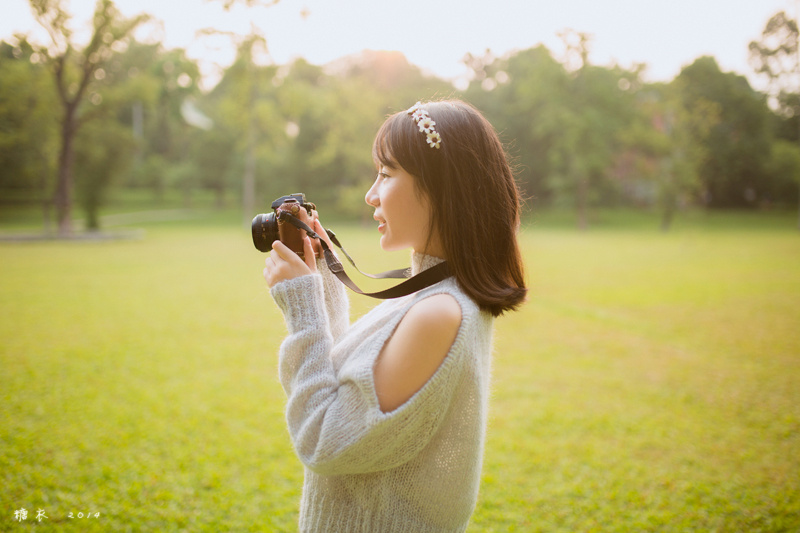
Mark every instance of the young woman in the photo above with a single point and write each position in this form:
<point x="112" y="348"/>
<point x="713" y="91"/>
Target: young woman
<point x="388" y="414"/>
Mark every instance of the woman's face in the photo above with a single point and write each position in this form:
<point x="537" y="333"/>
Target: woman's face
<point x="402" y="212"/>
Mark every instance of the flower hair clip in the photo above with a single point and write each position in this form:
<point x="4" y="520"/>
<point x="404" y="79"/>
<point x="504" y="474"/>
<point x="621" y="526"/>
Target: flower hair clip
<point x="426" y="125"/>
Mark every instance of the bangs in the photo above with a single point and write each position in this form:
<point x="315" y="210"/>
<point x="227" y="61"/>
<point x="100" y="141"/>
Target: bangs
<point x="394" y="144"/>
<point x="381" y="151"/>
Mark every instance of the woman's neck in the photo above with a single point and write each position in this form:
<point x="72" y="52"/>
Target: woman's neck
<point x="421" y="261"/>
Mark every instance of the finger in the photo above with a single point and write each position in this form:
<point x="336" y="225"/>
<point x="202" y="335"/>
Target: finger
<point x="322" y="234"/>
<point x="315" y="242"/>
<point x="280" y="249"/>
<point x="285" y="253"/>
<point x="308" y="254"/>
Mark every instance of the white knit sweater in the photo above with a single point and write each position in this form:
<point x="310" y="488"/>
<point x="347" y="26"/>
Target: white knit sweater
<point x="415" y="469"/>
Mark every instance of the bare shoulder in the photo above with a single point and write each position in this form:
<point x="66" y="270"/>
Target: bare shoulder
<point x="440" y="310"/>
<point x="417" y="348"/>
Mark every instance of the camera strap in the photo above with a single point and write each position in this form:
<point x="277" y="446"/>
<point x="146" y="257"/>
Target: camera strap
<point x="424" y="279"/>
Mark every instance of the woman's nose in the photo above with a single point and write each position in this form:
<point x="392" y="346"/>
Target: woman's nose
<point x="371" y="197"/>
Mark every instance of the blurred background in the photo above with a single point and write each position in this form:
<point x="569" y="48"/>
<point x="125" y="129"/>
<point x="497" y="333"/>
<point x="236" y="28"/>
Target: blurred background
<point x="134" y="106"/>
<point x="651" y="381"/>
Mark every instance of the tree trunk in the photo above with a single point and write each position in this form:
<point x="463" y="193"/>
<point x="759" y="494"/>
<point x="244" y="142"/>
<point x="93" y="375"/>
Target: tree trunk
<point x="92" y="216"/>
<point x="798" y="142"/>
<point x="582" y="198"/>
<point x="796" y="71"/>
<point x="249" y="185"/>
<point x="667" y="215"/>
<point x="64" y="183"/>
<point x="47" y="199"/>
<point x="669" y="191"/>
<point x="249" y="178"/>
<point x="219" y="201"/>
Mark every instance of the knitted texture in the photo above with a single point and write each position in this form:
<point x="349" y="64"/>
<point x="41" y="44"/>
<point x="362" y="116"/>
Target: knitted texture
<point x="416" y="468"/>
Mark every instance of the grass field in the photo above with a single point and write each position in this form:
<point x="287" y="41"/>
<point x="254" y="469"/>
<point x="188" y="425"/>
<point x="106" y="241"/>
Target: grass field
<point x="652" y="383"/>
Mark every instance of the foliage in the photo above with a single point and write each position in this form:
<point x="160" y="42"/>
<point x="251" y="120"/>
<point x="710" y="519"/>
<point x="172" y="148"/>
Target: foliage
<point x="738" y="144"/>
<point x="27" y="124"/>
<point x="775" y="56"/>
<point x="783" y="174"/>
<point x="523" y="96"/>
<point x="661" y="148"/>
<point x="580" y="135"/>
<point x="566" y="128"/>
<point x="311" y="128"/>
<point x="102" y="153"/>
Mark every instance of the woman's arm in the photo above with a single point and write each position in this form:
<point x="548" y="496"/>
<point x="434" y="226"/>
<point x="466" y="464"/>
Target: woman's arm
<point x="336" y="301"/>
<point x="283" y="264"/>
<point x="336" y="422"/>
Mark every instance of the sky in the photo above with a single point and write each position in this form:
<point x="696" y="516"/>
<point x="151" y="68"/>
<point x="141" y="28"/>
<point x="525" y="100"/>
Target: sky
<point x="436" y="34"/>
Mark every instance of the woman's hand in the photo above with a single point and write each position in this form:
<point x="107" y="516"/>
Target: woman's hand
<point x="317" y="227"/>
<point x="283" y="264"/>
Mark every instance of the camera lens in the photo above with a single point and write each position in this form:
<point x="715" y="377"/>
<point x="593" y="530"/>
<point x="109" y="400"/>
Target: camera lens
<point x="265" y="231"/>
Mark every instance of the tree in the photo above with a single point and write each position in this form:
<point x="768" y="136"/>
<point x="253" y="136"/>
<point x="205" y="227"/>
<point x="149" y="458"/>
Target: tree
<point x="784" y="161"/>
<point x="244" y="117"/>
<point x="737" y="147"/>
<point x="103" y="151"/>
<point x="523" y="96"/>
<point x="563" y="128"/>
<point x="599" y="113"/>
<point x="27" y="125"/>
<point x="310" y="128"/>
<point x="74" y="71"/>
<point x="661" y="142"/>
<point x="777" y="56"/>
<point x="161" y="85"/>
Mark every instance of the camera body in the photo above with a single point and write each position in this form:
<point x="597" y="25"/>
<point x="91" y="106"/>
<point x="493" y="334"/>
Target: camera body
<point x="270" y="227"/>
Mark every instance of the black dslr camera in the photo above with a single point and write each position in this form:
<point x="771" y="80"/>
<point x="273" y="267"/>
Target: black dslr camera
<point x="270" y="227"/>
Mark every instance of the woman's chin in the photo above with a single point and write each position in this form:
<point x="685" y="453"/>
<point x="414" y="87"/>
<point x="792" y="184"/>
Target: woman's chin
<point x="388" y="246"/>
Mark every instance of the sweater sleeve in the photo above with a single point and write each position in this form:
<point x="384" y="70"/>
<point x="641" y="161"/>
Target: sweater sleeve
<point x="335" y="422"/>
<point x="337" y="304"/>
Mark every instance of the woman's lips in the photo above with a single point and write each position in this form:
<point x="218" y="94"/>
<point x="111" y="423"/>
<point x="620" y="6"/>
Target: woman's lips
<point x="381" y="223"/>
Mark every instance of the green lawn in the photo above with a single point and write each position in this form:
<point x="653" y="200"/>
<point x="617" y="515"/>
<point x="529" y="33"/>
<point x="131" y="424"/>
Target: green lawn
<point x="652" y="383"/>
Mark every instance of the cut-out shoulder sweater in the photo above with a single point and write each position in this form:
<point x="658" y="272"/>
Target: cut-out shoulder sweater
<point x="414" y="469"/>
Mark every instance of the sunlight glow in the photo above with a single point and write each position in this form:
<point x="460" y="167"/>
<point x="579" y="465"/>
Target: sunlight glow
<point x="436" y="35"/>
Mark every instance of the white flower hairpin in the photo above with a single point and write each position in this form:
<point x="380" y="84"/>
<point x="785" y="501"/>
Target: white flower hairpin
<point x="426" y="125"/>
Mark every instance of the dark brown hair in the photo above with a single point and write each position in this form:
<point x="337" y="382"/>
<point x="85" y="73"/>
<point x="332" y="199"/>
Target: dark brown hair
<point x="474" y="199"/>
